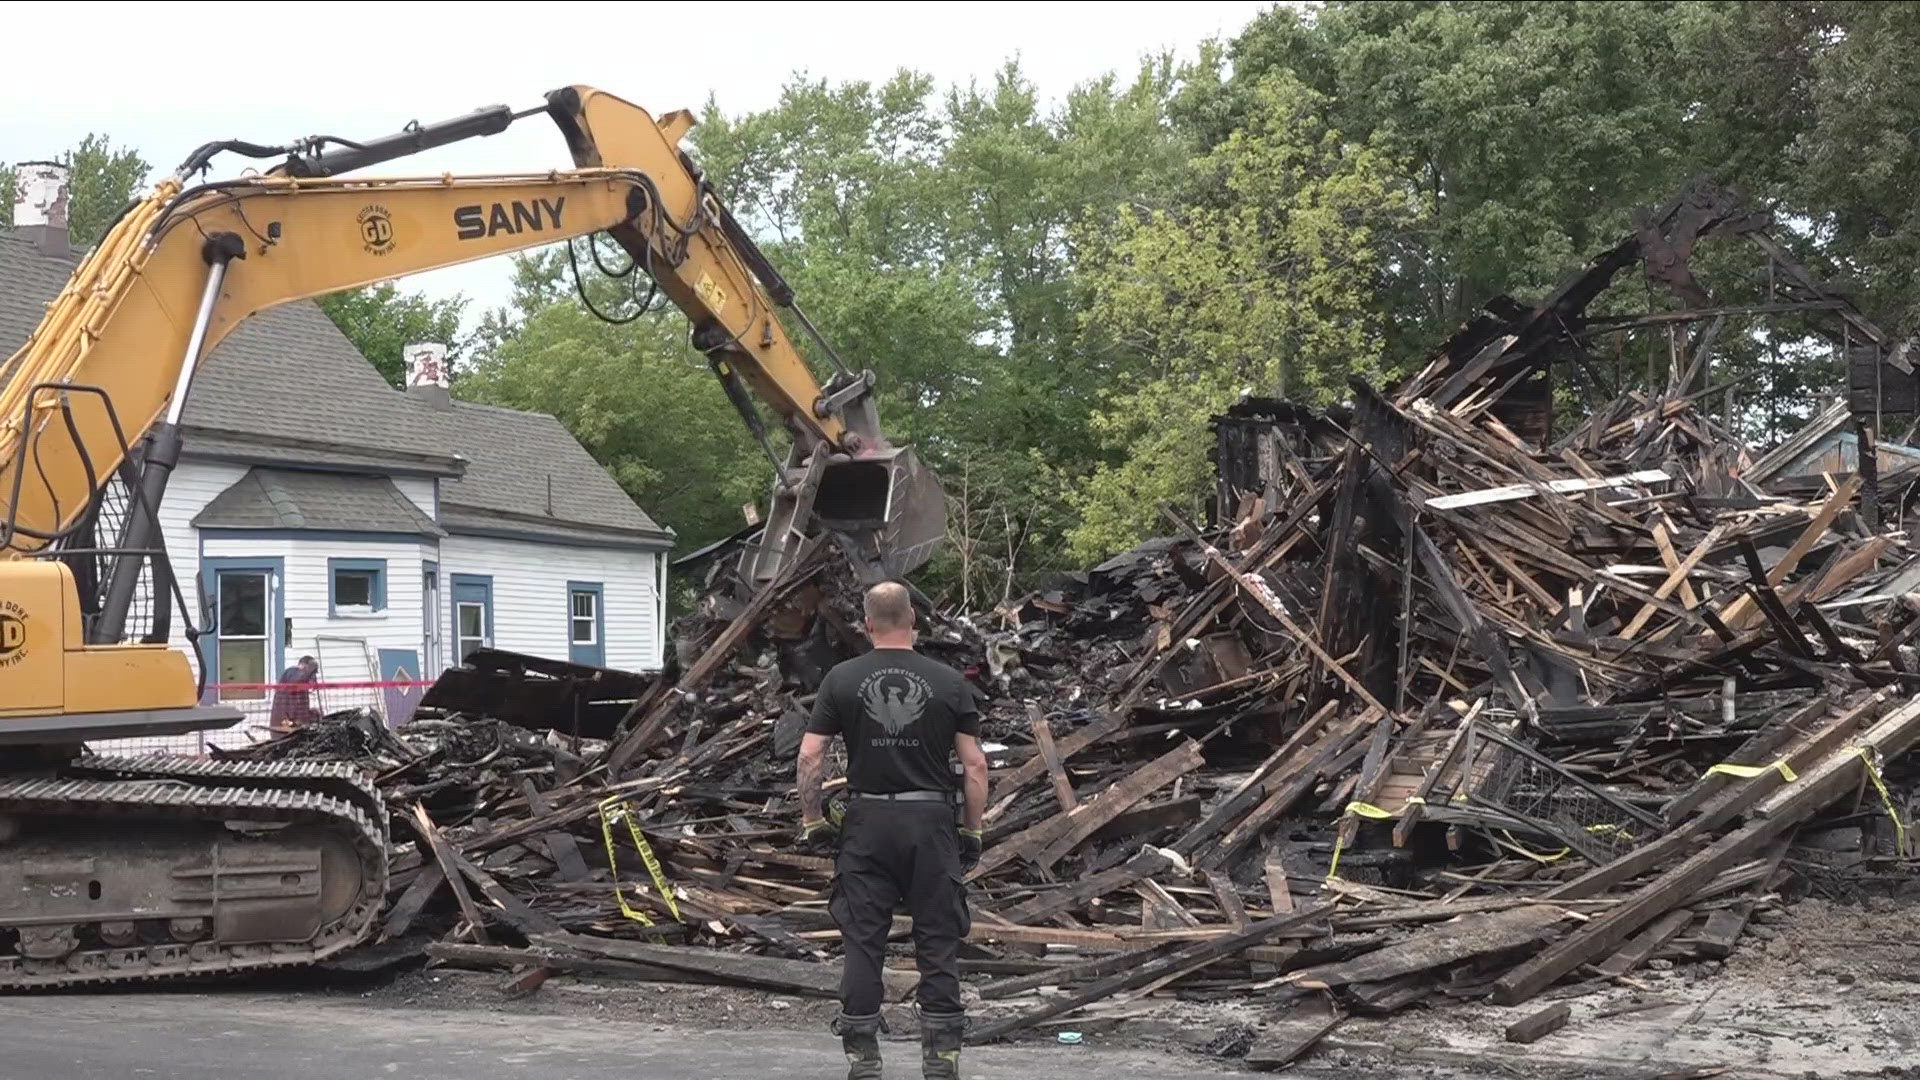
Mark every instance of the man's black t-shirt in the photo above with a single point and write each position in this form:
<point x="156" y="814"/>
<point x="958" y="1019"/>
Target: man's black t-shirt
<point x="899" y="712"/>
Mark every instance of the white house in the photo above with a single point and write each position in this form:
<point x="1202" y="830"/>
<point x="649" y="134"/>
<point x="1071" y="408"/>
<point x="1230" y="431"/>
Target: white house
<point x="386" y="532"/>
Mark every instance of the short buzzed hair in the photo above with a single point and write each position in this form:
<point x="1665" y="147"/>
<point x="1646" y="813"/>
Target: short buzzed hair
<point x="888" y="607"/>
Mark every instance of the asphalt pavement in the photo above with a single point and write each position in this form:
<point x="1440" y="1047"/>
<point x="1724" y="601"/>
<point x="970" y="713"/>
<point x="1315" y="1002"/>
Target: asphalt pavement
<point x="185" y="1036"/>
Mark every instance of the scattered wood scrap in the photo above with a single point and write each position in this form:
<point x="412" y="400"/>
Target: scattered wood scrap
<point x="1452" y="699"/>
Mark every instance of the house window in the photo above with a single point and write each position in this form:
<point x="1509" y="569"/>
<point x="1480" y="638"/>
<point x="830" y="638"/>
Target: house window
<point x="356" y="586"/>
<point x="472" y="614"/>
<point x="471" y="619"/>
<point x="586" y="623"/>
<point x="586" y="618"/>
<point x="244" y="601"/>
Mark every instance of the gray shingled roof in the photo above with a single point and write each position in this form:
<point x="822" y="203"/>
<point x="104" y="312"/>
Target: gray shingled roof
<point x="289" y="374"/>
<point x="287" y="387"/>
<point x="529" y="466"/>
<point x="292" y="499"/>
<point x="28" y="280"/>
<point x="285" y="376"/>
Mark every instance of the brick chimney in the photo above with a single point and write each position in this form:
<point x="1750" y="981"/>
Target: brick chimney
<point x="40" y="206"/>
<point x="427" y="374"/>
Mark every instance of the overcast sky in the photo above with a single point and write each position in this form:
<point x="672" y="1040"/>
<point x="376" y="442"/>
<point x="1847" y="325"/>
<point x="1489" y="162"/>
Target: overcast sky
<point x="276" y="72"/>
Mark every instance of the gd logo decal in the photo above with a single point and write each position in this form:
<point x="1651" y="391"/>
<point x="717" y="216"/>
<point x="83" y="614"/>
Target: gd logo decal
<point x="376" y="229"/>
<point x="13" y="633"/>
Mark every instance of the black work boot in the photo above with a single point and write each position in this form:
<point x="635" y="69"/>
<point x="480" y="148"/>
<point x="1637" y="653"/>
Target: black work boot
<point x="860" y="1038"/>
<point x="940" y="1035"/>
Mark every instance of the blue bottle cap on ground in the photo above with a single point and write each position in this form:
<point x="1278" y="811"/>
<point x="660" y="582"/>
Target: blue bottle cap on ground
<point x="1070" y="1038"/>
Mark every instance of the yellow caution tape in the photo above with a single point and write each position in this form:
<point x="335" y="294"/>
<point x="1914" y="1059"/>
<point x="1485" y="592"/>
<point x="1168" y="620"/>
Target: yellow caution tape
<point x="1609" y="827"/>
<point x="1521" y="849"/>
<point x="1333" y="868"/>
<point x="1365" y="810"/>
<point x="608" y="811"/>
<point x="1873" y="773"/>
<point x="1748" y="772"/>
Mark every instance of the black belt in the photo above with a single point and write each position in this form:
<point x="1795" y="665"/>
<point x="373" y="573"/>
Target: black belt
<point x="909" y="796"/>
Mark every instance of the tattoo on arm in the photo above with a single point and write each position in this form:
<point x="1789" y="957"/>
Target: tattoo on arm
<point x="812" y="771"/>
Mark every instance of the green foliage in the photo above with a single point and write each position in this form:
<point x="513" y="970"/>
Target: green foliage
<point x="382" y="321"/>
<point x="1859" y="155"/>
<point x="1271" y="286"/>
<point x="640" y="401"/>
<point x="103" y="180"/>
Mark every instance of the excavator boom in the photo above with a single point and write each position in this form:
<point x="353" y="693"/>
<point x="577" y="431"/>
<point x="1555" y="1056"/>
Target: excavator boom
<point x="206" y="867"/>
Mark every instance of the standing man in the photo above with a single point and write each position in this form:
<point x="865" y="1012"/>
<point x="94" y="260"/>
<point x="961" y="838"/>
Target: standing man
<point x="291" y="705"/>
<point x="909" y="832"/>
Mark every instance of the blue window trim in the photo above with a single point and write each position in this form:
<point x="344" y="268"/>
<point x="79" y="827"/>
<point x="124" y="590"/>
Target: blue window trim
<point x="276" y="567"/>
<point x="483" y="582"/>
<point x="378" y="567"/>
<point x="596" y="653"/>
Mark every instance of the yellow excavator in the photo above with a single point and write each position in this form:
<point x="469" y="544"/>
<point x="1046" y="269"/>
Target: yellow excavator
<point x="115" y="869"/>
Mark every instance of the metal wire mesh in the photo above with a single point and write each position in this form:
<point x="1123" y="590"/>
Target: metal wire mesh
<point x="109" y="526"/>
<point x="1537" y="794"/>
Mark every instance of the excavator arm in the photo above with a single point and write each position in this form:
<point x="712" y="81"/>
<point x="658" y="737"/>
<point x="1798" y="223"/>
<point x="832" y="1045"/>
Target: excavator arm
<point x="115" y="357"/>
<point x="117" y="869"/>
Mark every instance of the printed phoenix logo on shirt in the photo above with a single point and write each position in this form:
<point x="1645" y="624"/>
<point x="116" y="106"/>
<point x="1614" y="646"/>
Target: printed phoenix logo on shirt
<point x="894" y="699"/>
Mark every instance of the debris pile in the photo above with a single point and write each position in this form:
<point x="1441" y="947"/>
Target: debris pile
<point x="1446" y="702"/>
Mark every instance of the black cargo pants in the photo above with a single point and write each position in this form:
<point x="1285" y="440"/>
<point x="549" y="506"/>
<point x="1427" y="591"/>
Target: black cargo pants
<point x="891" y="851"/>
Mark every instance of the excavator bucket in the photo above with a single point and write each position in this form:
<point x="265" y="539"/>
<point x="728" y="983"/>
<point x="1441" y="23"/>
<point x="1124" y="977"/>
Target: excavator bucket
<point x="890" y="496"/>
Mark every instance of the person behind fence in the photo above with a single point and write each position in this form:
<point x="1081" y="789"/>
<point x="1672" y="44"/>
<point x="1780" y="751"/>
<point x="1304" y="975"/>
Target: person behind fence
<point x="292" y="706"/>
<point x="908" y="834"/>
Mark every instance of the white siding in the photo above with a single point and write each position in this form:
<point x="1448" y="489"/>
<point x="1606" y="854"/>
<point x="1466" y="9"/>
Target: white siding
<point x="193" y="485"/>
<point x="419" y="490"/>
<point x="304" y="585"/>
<point x="530" y="595"/>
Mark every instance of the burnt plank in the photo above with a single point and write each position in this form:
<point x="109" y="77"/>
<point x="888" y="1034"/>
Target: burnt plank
<point x="1050" y="758"/>
<point x="1545" y="1022"/>
<point x="1470" y="936"/>
<point x="450" y="870"/>
<point x="1278" y="894"/>
<point x="1643" y="945"/>
<point x="1145" y="864"/>
<point x="1814" y="790"/>
<point x="1044" y="843"/>
<point x="1152" y="818"/>
<point x="414" y="900"/>
<point x="1018" y="776"/>
<point x="1228" y="897"/>
<point x="1153" y="969"/>
<point x="804" y="977"/>
<point x="1067" y="974"/>
<point x="561" y="846"/>
<point x="1293" y="1032"/>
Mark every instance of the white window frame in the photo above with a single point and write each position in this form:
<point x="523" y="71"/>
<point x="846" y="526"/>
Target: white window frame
<point x="591" y="618"/>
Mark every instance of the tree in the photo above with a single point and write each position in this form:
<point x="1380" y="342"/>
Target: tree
<point x="1272" y="287"/>
<point x="102" y="180"/>
<point x="933" y="238"/>
<point x="1858" y="155"/>
<point x="641" y="402"/>
<point x="382" y="321"/>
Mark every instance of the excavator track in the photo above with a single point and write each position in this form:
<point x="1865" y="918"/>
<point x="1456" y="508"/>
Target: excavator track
<point x="331" y="777"/>
<point x="247" y="866"/>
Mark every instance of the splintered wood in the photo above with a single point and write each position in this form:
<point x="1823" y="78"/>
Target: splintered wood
<point x="1452" y="700"/>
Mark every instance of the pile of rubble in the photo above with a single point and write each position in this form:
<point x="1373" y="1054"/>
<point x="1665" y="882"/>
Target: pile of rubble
<point x="1439" y="706"/>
